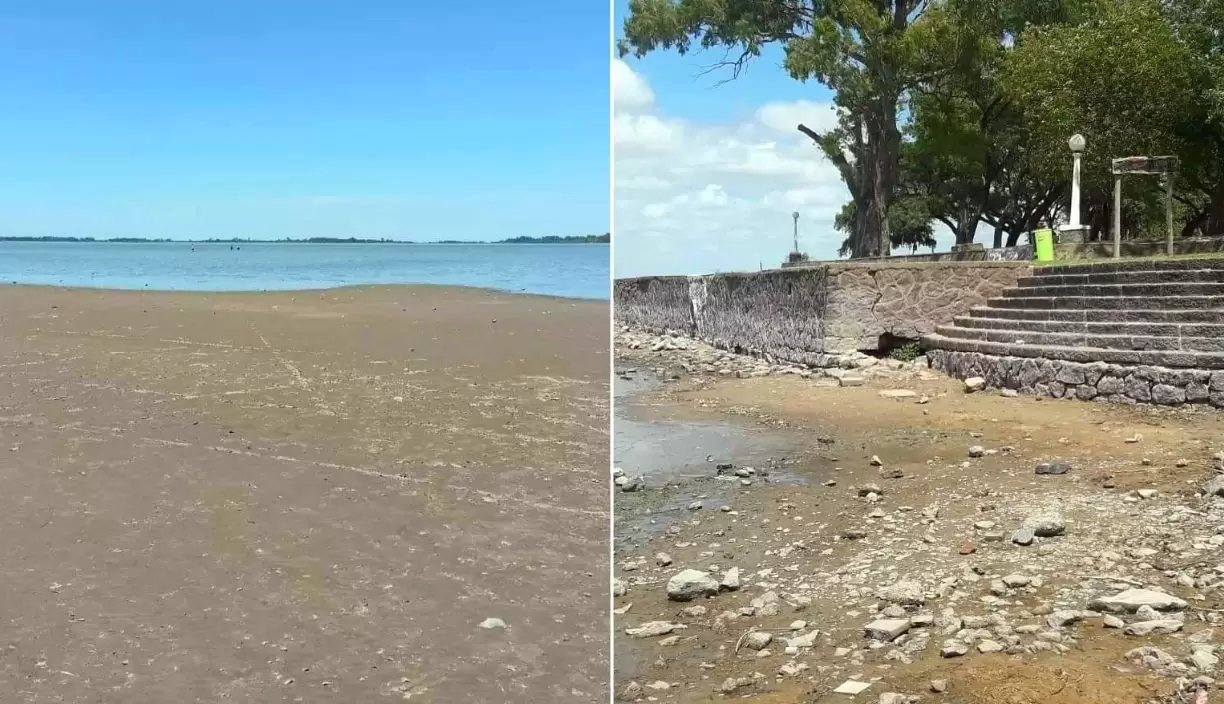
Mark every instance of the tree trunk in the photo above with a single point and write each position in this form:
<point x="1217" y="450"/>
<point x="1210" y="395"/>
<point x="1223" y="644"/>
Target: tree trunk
<point x="998" y="237"/>
<point x="1190" y="229"/>
<point x="1215" y="220"/>
<point x="883" y="162"/>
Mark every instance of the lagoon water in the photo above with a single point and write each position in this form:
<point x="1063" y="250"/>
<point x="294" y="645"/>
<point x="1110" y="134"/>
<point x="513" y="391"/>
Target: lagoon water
<point x="569" y="270"/>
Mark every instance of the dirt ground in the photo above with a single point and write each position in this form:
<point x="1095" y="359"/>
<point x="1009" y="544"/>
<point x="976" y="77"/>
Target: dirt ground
<point x="782" y="527"/>
<point x="302" y="497"/>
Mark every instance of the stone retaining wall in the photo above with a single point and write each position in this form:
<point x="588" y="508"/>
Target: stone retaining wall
<point x="1085" y="381"/>
<point x="659" y="304"/>
<point x="810" y="315"/>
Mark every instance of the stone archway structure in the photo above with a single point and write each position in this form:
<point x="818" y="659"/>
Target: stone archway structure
<point x="1163" y="166"/>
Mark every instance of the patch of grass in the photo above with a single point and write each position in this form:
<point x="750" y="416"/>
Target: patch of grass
<point x="906" y="353"/>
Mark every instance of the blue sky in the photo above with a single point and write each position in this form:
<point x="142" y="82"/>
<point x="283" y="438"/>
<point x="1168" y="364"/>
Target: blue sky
<point x="708" y="172"/>
<point x="278" y="119"/>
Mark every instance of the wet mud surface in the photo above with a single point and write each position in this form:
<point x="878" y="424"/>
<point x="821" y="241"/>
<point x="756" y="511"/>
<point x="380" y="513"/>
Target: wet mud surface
<point x="302" y="497"/>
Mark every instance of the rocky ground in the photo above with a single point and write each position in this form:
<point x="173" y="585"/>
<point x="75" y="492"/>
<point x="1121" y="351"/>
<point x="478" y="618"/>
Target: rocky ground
<point x="923" y="541"/>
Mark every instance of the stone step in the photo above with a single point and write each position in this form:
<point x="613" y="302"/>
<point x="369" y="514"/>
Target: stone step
<point x="1109" y="302"/>
<point x="1104" y="341"/>
<point x="1180" y="359"/>
<point x="1154" y="290"/>
<point x="1125" y="277"/>
<point x="1094" y="315"/>
<point x="1166" y="265"/>
<point x="1094" y="328"/>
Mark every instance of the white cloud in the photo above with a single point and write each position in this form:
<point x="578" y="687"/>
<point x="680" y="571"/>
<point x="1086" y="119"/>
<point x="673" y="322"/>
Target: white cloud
<point x="694" y="197"/>
<point x="629" y="90"/>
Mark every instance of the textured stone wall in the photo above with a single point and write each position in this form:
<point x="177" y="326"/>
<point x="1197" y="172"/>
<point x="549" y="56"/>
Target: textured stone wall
<point x="655" y="303"/>
<point x="1085" y="381"/>
<point x="776" y="314"/>
<point x="805" y="314"/>
<point x="906" y="301"/>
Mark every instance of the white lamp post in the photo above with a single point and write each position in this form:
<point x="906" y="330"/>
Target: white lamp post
<point x="795" y="215"/>
<point x="1077" y="152"/>
<point x="1074" y="230"/>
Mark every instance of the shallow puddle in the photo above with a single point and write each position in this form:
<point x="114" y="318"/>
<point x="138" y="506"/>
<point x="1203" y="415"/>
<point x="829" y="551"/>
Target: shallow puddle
<point x="669" y="451"/>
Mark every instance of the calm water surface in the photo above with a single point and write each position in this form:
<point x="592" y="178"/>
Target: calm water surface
<point x="573" y="270"/>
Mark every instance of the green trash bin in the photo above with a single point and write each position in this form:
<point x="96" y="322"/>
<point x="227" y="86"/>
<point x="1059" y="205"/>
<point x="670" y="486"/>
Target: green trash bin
<point x="1043" y="245"/>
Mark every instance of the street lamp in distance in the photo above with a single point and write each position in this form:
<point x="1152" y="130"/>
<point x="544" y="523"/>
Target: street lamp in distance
<point x="795" y="216"/>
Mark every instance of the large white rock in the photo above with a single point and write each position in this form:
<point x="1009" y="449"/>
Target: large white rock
<point x="651" y="629"/>
<point x="905" y="592"/>
<point x="690" y="584"/>
<point x="1161" y="627"/>
<point x="1129" y="601"/>
<point x="887" y="629"/>
<point x="730" y="580"/>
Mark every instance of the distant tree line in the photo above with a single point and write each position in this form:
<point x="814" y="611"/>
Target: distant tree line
<point x="548" y="239"/>
<point x="959" y="111"/>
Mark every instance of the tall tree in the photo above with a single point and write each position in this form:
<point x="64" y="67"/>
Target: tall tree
<point x="909" y="224"/>
<point x="1121" y="79"/>
<point x="967" y="151"/>
<point x="1198" y="24"/>
<point x="869" y="52"/>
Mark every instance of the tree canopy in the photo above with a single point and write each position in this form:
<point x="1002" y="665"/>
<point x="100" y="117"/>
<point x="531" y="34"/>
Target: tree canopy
<point x="958" y="112"/>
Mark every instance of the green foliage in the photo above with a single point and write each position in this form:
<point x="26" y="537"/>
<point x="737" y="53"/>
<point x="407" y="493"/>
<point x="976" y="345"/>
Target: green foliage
<point x="906" y="353"/>
<point x="909" y="222"/>
<point x="958" y="111"/>
<point x="870" y="52"/>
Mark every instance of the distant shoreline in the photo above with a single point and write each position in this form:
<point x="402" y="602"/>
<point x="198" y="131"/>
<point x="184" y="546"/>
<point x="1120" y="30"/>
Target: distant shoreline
<point x="578" y="239"/>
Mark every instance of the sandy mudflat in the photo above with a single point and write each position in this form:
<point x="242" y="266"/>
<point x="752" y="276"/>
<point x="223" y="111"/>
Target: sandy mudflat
<point x="308" y="496"/>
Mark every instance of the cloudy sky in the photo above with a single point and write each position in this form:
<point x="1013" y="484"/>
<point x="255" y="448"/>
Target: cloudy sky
<point x="708" y="172"/>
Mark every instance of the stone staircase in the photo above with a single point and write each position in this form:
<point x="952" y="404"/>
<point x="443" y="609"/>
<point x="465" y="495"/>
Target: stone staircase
<point x="1139" y="331"/>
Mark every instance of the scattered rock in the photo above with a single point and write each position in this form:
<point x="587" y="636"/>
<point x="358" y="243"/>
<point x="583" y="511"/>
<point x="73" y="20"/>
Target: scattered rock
<point x="652" y="629"/>
<point x="731" y="684"/>
<point x="630" y="485"/>
<point x="1052" y="468"/>
<point x="1048" y="523"/>
<point x="493" y="623"/>
<point x="887" y="629"/>
<point x="1023" y="536"/>
<point x="939" y="686"/>
<point x="1015" y="581"/>
<point x="976" y="451"/>
<point x="974" y="383"/>
<point x="1129" y="601"/>
<point x="1064" y="617"/>
<point x="758" y="640"/>
<point x="989" y="646"/>
<point x="1215" y="487"/>
<point x="1159" y="627"/>
<point x="851" y="687"/>
<point x="730" y="580"/>
<point x="905" y="592"/>
<point x="953" y="649"/>
<point x="690" y="584"/>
